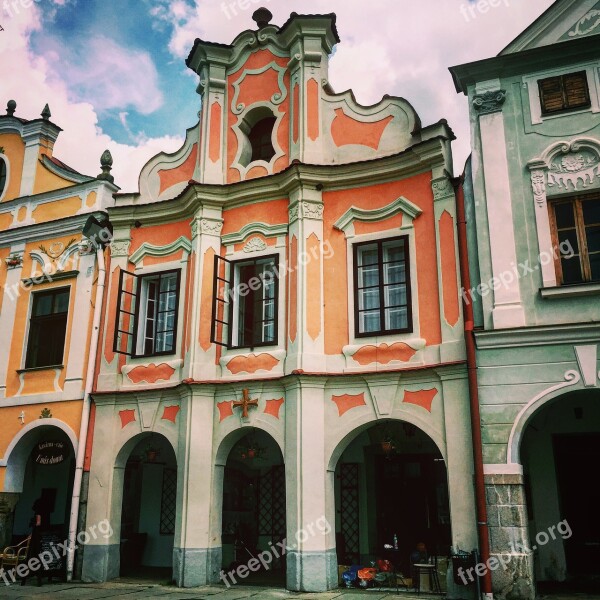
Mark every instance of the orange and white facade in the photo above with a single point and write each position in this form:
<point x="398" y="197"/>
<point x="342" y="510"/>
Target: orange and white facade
<point x="48" y="280"/>
<point x="298" y="251"/>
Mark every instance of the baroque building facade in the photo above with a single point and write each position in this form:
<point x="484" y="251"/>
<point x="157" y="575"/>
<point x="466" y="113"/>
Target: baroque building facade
<point x="533" y="210"/>
<point x="282" y="351"/>
<point x="49" y="277"/>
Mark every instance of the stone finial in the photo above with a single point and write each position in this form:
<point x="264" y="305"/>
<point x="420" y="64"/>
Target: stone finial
<point x="262" y="17"/>
<point x="106" y="161"/>
<point x="46" y="114"/>
<point x="11" y="106"/>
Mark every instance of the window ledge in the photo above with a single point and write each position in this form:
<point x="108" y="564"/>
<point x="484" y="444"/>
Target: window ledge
<point x="49" y="277"/>
<point x="32" y="369"/>
<point x="571" y="291"/>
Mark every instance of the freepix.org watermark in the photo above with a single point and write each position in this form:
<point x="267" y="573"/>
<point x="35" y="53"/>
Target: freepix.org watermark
<point x="264" y="559"/>
<point x="471" y="10"/>
<point x="12" y="8"/>
<point x="493" y="563"/>
<point x="231" y="7"/>
<point x="57" y="551"/>
<point x="522" y="269"/>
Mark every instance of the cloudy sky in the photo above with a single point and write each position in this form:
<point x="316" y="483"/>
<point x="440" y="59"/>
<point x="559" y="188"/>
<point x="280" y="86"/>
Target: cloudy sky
<point x="114" y="75"/>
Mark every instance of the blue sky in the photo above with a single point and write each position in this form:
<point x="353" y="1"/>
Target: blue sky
<point x="114" y="74"/>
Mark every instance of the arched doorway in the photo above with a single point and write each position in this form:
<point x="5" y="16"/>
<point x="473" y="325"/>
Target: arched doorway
<point x="559" y="450"/>
<point x="41" y="468"/>
<point x="391" y="488"/>
<point x="254" y="509"/>
<point x="149" y="509"/>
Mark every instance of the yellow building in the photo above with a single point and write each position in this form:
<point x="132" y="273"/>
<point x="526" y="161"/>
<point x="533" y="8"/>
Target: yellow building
<point x="50" y="282"/>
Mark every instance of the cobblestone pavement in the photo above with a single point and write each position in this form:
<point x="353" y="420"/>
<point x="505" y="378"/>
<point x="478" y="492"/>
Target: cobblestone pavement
<point x="141" y="591"/>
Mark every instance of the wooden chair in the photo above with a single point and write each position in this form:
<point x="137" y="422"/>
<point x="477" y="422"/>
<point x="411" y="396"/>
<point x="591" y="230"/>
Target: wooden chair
<point x="13" y="556"/>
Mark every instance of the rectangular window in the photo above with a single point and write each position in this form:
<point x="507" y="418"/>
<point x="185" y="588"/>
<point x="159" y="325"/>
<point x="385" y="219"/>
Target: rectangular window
<point x="147" y="308"/>
<point x="565" y="92"/>
<point x="47" y="328"/>
<point x="245" y="302"/>
<point x="382" y="287"/>
<point x="576" y="232"/>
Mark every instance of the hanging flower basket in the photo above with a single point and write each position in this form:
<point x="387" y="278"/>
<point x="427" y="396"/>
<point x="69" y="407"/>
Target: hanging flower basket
<point x="15" y="260"/>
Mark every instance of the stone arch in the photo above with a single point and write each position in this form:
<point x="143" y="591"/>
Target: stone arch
<point x="20" y="447"/>
<point x="572" y="378"/>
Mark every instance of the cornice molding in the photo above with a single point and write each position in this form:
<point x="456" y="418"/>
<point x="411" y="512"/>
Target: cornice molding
<point x="401" y="204"/>
<point x="50" y="229"/>
<point x="538" y="336"/>
<point x="418" y="159"/>
<point x="267" y="230"/>
<point x="147" y="249"/>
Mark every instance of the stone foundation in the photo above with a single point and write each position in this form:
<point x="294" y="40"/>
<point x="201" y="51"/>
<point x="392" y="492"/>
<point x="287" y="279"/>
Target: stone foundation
<point x="509" y="538"/>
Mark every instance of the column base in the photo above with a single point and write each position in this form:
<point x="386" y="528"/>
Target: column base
<point x="194" y="567"/>
<point x="312" y="571"/>
<point x="101" y="563"/>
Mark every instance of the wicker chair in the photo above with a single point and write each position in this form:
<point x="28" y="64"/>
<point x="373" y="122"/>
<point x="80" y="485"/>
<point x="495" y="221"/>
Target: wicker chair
<point x="13" y="556"/>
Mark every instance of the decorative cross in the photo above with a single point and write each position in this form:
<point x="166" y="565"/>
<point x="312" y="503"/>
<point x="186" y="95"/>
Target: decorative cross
<point x="245" y="403"/>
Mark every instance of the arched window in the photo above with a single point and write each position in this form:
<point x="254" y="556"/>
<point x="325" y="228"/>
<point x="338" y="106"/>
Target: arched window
<point x="260" y="139"/>
<point x="3" y="172"/>
<point x="257" y="136"/>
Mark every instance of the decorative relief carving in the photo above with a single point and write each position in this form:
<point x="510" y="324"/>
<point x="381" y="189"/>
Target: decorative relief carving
<point x="312" y="211"/>
<point x="306" y="210"/>
<point x="489" y="102"/>
<point x="538" y="183"/>
<point x="442" y="188"/>
<point x="278" y="97"/>
<point x="574" y="165"/>
<point x="587" y="24"/>
<point x="255" y="245"/>
<point x="119" y="248"/>
<point x="211" y="227"/>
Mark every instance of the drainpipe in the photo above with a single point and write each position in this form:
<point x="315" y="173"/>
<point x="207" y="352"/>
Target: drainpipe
<point x="85" y="413"/>
<point x="482" y="519"/>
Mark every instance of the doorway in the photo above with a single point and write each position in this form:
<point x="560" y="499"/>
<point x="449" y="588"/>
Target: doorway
<point x="148" y="510"/>
<point x="254" y="509"/>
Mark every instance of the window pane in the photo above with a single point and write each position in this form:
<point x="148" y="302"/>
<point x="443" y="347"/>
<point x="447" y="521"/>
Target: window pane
<point x="393" y="251"/>
<point x="370" y="321"/>
<point x="368" y="255"/>
<point x="42" y="304"/>
<point x="368" y="299"/>
<point x="591" y="211"/>
<point x="569" y="236"/>
<point x="368" y="277"/>
<point x="595" y="266"/>
<point x="564" y="215"/>
<point x="395" y="295"/>
<point x="396" y="318"/>
<point x="593" y="238"/>
<point x="571" y="268"/>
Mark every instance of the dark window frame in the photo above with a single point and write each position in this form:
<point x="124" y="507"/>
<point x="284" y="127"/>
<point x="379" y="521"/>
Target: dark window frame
<point x="3" y="174"/>
<point x="224" y="307"/>
<point x="580" y="229"/>
<point x="380" y="263"/>
<point x="561" y="81"/>
<point x="31" y="358"/>
<point x="135" y="316"/>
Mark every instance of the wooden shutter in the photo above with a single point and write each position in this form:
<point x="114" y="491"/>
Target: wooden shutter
<point x="126" y="317"/>
<point x="576" y="90"/>
<point x="551" y="95"/>
<point x="222" y="290"/>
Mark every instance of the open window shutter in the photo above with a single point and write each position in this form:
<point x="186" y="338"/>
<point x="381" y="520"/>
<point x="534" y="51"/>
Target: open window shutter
<point x="222" y="290"/>
<point x="126" y="317"/>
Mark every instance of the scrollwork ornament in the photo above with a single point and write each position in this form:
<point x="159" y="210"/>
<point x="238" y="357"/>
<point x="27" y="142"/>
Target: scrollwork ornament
<point x="489" y="102"/>
<point x="119" y="248"/>
<point x="538" y="184"/>
<point x="211" y="227"/>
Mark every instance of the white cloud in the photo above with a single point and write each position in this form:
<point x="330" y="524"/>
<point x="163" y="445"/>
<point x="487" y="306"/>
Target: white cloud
<point x="29" y="80"/>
